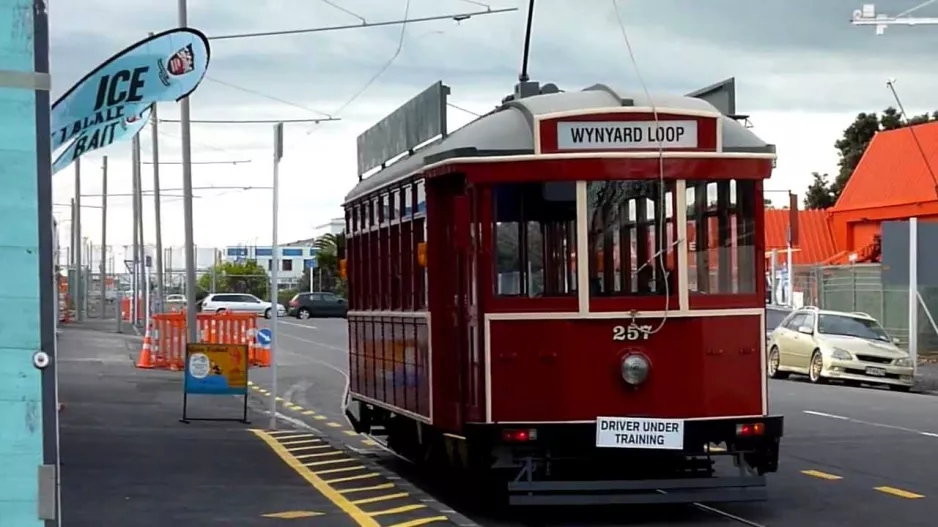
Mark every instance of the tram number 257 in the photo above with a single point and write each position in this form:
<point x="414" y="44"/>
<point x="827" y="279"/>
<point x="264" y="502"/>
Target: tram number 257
<point x="631" y="332"/>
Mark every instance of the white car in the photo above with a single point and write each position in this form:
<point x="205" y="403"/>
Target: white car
<point x="852" y="347"/>
<point x="239" y="303"/>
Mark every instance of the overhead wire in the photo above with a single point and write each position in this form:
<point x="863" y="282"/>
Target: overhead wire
<point x="660" y="206"/>
<point x="332" y="4"/>
<point x="267" y="96"/>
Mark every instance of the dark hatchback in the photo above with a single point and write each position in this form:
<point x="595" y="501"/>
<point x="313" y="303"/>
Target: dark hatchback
<point x="309" y="305"/>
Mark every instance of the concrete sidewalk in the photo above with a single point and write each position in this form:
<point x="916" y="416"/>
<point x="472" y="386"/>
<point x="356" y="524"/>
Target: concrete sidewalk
<point x="127" y="460"/>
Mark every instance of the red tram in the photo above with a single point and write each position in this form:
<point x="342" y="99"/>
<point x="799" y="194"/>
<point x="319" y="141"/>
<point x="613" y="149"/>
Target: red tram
<point x="566" y="295"/>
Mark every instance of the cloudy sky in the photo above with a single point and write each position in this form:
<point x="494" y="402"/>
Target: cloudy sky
<point x="802" y="70"/>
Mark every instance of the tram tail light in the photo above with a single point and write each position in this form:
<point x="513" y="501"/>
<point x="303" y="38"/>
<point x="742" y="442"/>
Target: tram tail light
<point x="519" y="436"/>
<point x="750" y="429"/>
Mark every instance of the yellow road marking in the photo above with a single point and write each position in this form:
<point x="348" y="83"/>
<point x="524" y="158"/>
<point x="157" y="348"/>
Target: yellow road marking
<point x="369" y="442"/>
<point x="899" y="492"/>
<point x="275" y="433"/>
<point x="398" y="510"/>
<point x="352" y="478"/>
<point x="340" y="501"/>
<point x="336" y="470"/>
<point x="309" y="412"/>
<point x="324" y="454"/>
<point x="292" y="515"/>
<point x="255" y="387"/>
<point x="250" y="383"/>
<point x="279" y="399"/>
<point x="301" y="442"/>
<point x="328" y="462"/>
<point x="421" y="521"/>
<point x="301" y="448"/>
<point x="294" y="436"/>
<point x="819" y="474"/>
<point x="334" y="425"/>
<point x="385" y="486"/>
<point x="386" y="497"/>
<point x="320" y="418"/>
<point x="293" y="406"/>
<point x="352" y="433"/>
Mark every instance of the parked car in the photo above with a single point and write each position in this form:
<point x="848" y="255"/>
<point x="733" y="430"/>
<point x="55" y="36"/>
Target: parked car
<point x="307" y="305"/>
<point x="852" y="347"/>
<point x="239" y="303"/>
<point x="774" y="316"/>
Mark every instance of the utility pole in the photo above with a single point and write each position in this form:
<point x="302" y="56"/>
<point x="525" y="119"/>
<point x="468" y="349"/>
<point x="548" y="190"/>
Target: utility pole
<point x="76" y="251"/>
<point x="154" y="129"/>
<point x="103" y="237"/>
<point x="135" y="285"/>
<point x="274" y="267"/>
<point x="72" y="295"/>
<point x="189" y="247"/>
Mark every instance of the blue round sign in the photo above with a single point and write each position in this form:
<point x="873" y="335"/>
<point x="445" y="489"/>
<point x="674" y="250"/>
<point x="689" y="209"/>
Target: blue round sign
<point x="264" y="337"/>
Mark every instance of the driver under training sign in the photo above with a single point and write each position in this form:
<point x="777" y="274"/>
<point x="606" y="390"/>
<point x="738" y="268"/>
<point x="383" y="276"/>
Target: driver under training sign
<point x="587" y="135"/>
<point x="639" y="432"/>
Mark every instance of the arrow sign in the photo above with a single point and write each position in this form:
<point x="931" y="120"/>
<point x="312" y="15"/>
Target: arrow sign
<point x="264" y="337"/>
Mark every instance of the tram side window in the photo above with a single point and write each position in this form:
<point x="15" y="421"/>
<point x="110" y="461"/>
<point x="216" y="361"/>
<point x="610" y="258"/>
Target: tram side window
<point x="535" y="239"/>
<point x="631" y="231"/>
<point x="721" y="237"/>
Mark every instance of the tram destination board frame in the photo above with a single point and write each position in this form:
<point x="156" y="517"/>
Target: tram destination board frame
<point x="215" y="369"/>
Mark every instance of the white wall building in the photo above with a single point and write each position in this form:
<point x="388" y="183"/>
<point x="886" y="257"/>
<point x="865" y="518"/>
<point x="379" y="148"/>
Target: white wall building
<point x="293" y="260"/>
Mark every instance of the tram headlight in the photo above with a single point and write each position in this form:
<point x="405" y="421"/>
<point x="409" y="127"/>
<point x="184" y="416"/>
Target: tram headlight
<point x="635" y="369"/>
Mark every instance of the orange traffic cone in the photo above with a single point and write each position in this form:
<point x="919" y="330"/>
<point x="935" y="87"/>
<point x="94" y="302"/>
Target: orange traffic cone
<point x="146" y="359"/>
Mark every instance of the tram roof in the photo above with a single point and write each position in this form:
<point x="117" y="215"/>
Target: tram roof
<point x="509" y="130"/>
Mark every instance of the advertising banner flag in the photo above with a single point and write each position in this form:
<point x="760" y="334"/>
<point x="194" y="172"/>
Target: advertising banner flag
<point x="101" y="136"/>
<point x="165" y="67"/>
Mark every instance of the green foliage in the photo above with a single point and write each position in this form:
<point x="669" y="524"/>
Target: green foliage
<point x="284" y="297"/>
<point x="235" y="277"/>
<point x="330" y="248"/>
<point x="819" y="195"/>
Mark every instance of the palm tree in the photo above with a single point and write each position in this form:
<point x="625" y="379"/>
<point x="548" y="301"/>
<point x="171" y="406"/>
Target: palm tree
<point x="330" y="248"/>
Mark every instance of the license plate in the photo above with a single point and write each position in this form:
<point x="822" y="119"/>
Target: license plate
<point x="877" y="372"/>
<point x="639" y="432"/>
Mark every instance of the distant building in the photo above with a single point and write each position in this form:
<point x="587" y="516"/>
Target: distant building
<point x="335" y="226"/>
<point x="293" y="259"/>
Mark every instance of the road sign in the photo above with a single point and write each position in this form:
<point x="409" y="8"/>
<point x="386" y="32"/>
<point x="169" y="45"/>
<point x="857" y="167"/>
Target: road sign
<point x="264" y="337"/>
<point x="215" y="369"/>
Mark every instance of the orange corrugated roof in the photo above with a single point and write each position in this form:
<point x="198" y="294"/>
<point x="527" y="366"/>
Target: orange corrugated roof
<point x="815" y="238"/>
<point x="893" y="171"/>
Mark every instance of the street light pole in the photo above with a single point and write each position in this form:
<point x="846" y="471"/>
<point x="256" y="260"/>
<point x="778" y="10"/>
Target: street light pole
<point x="189" y="243"/>
<point x="274" y="267"/>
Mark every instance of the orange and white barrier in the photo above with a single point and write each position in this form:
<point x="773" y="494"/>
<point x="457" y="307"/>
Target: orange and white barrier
<point x="165" y="346"/>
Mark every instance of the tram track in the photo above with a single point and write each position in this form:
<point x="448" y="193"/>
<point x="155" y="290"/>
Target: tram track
<point x="426" y="480"/>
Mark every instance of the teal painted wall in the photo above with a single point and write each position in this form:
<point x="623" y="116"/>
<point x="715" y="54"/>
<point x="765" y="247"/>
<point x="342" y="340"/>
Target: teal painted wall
<point x="21" y="419"/>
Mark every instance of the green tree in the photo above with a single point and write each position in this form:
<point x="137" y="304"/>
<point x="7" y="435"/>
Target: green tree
<point x="819" y="194"/>
<point x="857" y="137"/>
<point x="330" y="248"/>
<point x="237" y="277"/>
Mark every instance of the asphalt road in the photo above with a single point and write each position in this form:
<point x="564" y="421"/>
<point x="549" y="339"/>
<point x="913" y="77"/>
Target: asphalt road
<point x="850" y="456"/>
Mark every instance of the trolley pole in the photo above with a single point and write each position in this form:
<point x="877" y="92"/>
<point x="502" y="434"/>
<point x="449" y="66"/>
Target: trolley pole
<point x="274" y="267"/>
<point x="104" y="238"/>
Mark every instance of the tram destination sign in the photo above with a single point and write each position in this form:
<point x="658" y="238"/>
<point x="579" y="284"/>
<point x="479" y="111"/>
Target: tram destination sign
<point x="633" y="135"/>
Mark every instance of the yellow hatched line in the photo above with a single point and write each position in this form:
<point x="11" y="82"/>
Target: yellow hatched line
<point x="336" y="470"/>
<point x="384" y="486"/>
<point x="421" y="521"/>
<point x="352" y="478"/>
<point x="301" y="442"/>
<point x="323" y="454"/>
<point x="353" y="511"/>
<point x="397" y="510"/>
<point x="329" y="462"/>
<point x="294" y="436"/>
<point x="376" y="499"/>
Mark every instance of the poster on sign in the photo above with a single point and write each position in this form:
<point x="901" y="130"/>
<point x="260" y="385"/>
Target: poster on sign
<point x="639" y="432"/>
<point x="633" y="135"/>
<point x="111" y="102"/>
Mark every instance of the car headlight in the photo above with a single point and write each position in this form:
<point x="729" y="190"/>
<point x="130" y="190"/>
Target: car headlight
<point x="904" y="363"/>
<point x="840" y="354"/>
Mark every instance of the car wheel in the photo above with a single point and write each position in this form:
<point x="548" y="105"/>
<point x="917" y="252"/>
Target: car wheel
<point x="814" y="370"/>
<point x="302" y="314"/>
<point x="774" y="361"/>
<point x="267" y="313"/>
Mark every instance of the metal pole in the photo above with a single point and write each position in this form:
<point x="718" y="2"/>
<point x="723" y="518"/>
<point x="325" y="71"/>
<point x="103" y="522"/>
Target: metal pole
<point x="274" y="266"/>
<point x="790" y="290"/>
<point x="913" y="293"/>
<point x="184" y="119"/>
<point x="71" y="261"/>
<point x="134" y="284"/>
<point x="103" y="237"/>
<point x="773" y="280"/>
<point x="79" y="294"/>
<point x="154" y="127"/>
<point x="144" y="276"/>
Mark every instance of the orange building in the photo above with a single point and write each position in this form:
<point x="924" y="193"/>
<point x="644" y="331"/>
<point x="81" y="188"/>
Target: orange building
<point x="815" y="244"/>
<point x="896" y="179"/>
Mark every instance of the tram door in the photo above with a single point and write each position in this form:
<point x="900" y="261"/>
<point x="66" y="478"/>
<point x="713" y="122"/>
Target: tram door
<point x="449" y="262"/>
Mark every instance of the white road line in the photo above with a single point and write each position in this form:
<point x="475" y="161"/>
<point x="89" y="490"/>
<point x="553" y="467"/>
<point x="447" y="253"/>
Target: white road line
<point x="304" y="326"/>
<point x="870" y="423"/>
<point x="314" y="342"/>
